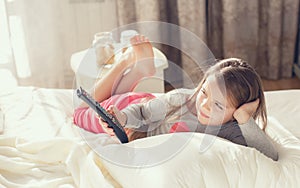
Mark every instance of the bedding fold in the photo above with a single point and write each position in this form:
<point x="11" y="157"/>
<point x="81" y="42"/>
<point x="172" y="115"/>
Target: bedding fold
<point x="41" y="147"/>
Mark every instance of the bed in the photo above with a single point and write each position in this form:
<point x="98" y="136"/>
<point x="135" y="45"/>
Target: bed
<point x="41" y="147"/>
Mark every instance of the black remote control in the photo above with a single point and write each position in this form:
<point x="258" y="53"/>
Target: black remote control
<point x="109" y="118"/>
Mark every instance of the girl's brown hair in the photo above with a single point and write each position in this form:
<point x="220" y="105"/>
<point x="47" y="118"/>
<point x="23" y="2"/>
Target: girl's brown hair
<point x="240" y="82"/>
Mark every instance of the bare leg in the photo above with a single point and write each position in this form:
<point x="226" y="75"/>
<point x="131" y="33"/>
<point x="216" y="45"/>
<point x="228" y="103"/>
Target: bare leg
<point x="116" y="80"/>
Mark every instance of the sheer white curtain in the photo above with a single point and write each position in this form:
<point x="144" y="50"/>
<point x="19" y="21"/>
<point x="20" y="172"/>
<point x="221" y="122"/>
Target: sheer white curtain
<point x="42" y="35"/>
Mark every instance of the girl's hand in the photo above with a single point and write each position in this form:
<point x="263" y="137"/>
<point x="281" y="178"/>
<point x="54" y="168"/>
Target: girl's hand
<point x="105" y="127"/>
<point x="245" y="112"/>
<point x="121" y="117"/>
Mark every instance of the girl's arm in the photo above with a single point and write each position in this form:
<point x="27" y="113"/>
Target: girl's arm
<point x="155" y="110"/>
<point x="135" y="116"/>
<point x="148" y="115"/>
<point x="255" y="137"/>
<point x="138" y="115"/>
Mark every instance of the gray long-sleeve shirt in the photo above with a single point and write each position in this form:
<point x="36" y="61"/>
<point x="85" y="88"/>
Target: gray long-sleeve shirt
<point x="151" y="117"/>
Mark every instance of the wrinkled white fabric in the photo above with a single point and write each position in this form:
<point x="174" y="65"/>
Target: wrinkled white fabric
<point x="40" y="147"/>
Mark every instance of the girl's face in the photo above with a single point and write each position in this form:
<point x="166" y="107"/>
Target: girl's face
<point x="213" y="108"/>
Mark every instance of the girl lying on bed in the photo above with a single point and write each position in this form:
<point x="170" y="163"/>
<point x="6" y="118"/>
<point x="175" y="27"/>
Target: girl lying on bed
<point x="226" y="102"/>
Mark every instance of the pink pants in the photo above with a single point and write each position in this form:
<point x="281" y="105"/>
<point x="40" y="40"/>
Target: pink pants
<point x="86" y="118"/>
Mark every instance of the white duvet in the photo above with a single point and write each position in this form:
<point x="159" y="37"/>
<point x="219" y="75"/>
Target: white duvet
<point x="40" y="147"/>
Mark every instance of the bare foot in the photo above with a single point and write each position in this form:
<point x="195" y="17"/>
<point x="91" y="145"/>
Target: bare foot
<point x="138" y="63"/>
<point x="141" y="47"/>
<point x="143" y="53"/>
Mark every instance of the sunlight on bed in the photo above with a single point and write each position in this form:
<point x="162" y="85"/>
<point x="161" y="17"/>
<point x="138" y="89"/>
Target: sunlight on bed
<point x="41" y="147"/>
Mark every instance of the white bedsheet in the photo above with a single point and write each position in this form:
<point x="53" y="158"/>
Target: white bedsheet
<point x="284" y="106"/>
<point x="40" y="147"/>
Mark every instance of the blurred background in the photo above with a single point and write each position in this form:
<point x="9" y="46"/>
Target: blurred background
<point x="38" y="38"/>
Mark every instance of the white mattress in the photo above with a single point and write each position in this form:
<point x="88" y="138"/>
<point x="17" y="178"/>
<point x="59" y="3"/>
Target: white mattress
<point x="40" y="147"/>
